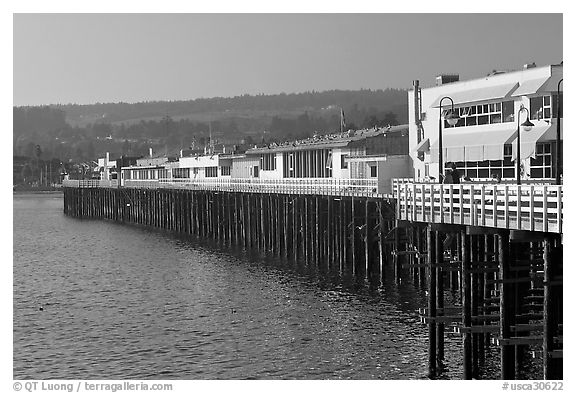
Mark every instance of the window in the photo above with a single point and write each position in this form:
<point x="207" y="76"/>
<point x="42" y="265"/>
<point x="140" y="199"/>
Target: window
<point x="255" y="171"/>
<point x="211" y="171"/>
<point x="373" y="171"/>
<point x="268" y="162"/>
<point x="329" y="161"/>
<point x="343" y="162"/>
<point x="540" y="107"/>
<point x="181" y="173"/>
<point x="487" y="169"/>
<point x="225" y="170"/>
<point x="541" y="164"/>
<point x="472" y="115"/>
<point x="508" y="111"/>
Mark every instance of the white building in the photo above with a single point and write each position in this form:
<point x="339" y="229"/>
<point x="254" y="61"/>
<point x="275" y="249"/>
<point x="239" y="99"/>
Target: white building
<point x="333" y="156"/>
<point x="483" y="141"/>
<point x="106" y="167"/>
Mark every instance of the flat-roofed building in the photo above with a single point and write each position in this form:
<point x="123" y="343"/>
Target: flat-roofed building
<point x="482" y="143"/>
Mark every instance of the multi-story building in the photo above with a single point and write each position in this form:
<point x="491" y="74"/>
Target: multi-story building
<point x="483" y="141"/>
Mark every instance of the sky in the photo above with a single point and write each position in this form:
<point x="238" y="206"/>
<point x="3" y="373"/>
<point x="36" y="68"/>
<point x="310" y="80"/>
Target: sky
<point x="89" y="58"/>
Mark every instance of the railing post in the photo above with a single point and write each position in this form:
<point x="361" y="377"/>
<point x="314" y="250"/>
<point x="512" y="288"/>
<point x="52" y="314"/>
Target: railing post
<point x="506" y="207"/>
<point x="559" y="208"/>
<point x="545" y="208"/>
<point x="483" y="205"/>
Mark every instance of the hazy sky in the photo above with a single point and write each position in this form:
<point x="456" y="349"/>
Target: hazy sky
<point x="88" y="58"/>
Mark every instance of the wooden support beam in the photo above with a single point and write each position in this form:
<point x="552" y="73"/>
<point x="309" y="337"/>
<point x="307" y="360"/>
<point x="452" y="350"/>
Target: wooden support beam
<point x="432" y="356"/>
<point x="507" y="358"/>
<point x="439" y="297"/>
<point x="466" y="306"/>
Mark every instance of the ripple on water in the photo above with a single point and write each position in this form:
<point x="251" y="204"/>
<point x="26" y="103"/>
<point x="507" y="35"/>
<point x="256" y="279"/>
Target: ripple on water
<point x="123" y="302"/>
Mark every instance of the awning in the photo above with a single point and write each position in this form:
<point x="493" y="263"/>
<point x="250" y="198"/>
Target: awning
<point x="530" y="87"/>
<point x="475" y="95"/>
<point x="551" y="85"/>
<point x="528" y="140"/>
<point x="423" y="146"/>
<point x="460" y="146"/>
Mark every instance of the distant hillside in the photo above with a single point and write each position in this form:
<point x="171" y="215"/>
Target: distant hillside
<point x="392" y="100"/>
<point x="85" y="132"/>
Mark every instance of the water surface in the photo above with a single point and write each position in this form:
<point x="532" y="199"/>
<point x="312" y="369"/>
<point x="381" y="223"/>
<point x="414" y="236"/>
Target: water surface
<point x="99" y="300"/>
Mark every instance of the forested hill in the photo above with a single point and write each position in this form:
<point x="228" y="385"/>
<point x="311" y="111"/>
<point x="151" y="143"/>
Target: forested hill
<point x="389" y="100"/>
<point x="85" y="132"/>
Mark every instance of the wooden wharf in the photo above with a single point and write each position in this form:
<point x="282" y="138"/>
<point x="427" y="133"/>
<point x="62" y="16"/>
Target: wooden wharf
<point x="496" y="247"/>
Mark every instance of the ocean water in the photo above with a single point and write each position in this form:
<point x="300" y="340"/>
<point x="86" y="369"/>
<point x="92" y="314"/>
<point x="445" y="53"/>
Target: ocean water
<point x="100" y="300"/>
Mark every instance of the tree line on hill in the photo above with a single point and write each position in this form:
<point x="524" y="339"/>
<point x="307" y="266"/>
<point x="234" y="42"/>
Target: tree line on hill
<point x="82" y="133"/>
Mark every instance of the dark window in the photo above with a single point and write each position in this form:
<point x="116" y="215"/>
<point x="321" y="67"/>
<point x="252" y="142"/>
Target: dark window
<point x="496" y="118"/>
<point x="211" y="171"/>
<point x="471" y="121"/>
<point x="508" y="111"/>
<point x="482" y="119"/>
<point x="373" y="171"/>
<point x="268" y="162"/>
<point x="225" y="170"/>
<point x="343" y="162"/>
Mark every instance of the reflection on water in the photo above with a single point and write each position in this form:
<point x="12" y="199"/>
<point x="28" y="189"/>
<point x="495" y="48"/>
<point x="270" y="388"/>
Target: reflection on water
<point x="98" y="300"/>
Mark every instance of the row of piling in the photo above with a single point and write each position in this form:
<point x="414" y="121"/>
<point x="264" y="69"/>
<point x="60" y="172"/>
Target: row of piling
<point x="348" y="234"/>
<point x="508" y="283"/>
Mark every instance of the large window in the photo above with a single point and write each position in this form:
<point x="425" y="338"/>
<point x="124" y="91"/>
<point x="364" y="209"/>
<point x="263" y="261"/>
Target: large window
<point x="544" y="107"/>
<point x="181" y="173"/>
<point x="540" y="107"/>
<point x="225" y="170"/>
<point x="308" y="163"/>
<point x="541" y="165"/>
<point x="268" y="162"/>
<point x="211" y="171"/>
<point x="472" y="115"/>
<point x="487" y="169"/>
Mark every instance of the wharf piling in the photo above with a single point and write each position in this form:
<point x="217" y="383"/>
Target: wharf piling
<point x="507" y="282"/>
<point x="337" y="234"/>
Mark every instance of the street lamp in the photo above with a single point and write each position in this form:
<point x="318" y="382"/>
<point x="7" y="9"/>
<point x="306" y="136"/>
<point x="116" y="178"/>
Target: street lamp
<point x="558" y="150"/>
<point x="452" y="118"/>
<point x="527" y="126"/>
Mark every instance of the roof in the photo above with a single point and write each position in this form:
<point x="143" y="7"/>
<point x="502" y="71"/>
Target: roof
<point x="476" y="95"/>
<point x="328" y="141"/>
<point x="499" y="74"/>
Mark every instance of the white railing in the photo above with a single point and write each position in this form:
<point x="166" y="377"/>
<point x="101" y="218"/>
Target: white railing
<point x="89" y="183"/>
<point x="524" y="207"/>
<point x="315" y="186"/>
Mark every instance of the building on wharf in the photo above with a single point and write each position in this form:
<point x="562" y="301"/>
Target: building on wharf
<point x="488" y="232"/>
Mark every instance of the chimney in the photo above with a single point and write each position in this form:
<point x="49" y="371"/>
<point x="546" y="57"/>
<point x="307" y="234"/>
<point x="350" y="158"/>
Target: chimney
<point x="529" y="65"/>
<point x="447" y="78"/>
<point x="150" y="152"/>
<point x="107" y="158"/>
<point x="181" y="153"/>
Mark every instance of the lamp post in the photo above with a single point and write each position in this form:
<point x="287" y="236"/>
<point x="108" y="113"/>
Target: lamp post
<point x="452" y="119"/>
<point x="558" y="149"/>
<point x="527" y="125"/>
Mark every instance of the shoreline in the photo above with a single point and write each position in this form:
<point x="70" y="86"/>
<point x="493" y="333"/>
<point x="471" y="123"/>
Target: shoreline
<point x="36" y="192"/>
